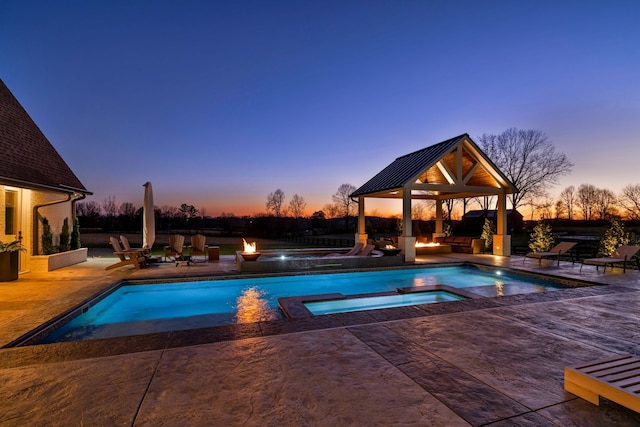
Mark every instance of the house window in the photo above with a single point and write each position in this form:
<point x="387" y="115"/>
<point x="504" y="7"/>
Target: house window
<point x="10" y="211"/>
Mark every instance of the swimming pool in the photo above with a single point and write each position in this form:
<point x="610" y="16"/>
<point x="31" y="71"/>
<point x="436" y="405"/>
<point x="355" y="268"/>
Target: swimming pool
<point x="134" y="309"/>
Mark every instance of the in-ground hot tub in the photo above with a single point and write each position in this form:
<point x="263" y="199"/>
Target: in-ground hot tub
<point x="313" y="305"/>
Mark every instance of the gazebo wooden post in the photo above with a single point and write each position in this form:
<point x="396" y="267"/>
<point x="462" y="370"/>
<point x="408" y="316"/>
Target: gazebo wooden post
<point x="502" y="240"/>
<point x="406" y="241"/>
<point x="439" y="225"/>
<point x="361" y="235"/>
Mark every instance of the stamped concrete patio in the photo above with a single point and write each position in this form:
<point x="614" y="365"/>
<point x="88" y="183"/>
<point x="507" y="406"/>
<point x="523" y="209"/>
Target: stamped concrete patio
<point x="495" y="361"/>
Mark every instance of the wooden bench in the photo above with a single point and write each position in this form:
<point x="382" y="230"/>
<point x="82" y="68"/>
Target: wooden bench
<point x="616" y="379"/>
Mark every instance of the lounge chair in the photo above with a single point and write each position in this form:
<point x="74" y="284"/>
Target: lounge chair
<point x="557" y="251"/>
<point x="175" y="248"/>
<point x="126" y="257"/>
<point x="367" y="250"/>
<point x="198" y="246"/>
<point x="615" y="379"/>
<point x="353" y="251"/>
<point x="621" y="255"/>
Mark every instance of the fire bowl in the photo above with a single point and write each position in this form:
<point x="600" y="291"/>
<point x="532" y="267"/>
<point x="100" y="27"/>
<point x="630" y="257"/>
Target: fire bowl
<point x="390" y="251"/>
<point x="250" y="256"/>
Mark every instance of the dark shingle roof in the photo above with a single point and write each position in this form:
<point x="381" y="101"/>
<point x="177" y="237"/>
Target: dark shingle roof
<point x="489" y="213"/>
<point x="27" y="157"/>
<point x="405" y="168"/>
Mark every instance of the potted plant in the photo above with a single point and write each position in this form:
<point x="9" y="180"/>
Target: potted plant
<point x="9" y="260"/>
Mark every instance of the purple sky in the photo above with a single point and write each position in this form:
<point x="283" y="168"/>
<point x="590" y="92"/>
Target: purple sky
<point x="219" y="103"/>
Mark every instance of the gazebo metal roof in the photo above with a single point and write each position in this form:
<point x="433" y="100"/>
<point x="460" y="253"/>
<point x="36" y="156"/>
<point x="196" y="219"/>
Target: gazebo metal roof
<point x="455" y="168"/>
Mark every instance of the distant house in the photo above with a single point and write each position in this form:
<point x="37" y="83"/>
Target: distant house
<point x="475" y="219"/>
<point x="35" y="182"/>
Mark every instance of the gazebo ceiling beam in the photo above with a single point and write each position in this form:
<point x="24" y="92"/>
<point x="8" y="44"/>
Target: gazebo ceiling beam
<point x="470" y="174"/>
<point x="449" y="176"/>
<point x="442" y="195"/>
<point x="487" y="165"/>
<point x="447" y="196"/>
<point x="457" y="188"/>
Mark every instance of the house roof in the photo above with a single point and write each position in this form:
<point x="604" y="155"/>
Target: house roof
<point x="28" y="159"/>
<point x="454" y="168"/>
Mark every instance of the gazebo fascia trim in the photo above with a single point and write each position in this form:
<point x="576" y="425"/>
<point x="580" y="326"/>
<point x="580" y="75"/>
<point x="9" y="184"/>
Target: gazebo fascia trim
<point x="490" y="167"/>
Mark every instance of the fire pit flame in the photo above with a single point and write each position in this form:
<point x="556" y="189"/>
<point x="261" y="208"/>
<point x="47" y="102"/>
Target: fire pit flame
<point x="426" y="245"/>
<point x="249" y="248"/>
<point x="250" y="251"/>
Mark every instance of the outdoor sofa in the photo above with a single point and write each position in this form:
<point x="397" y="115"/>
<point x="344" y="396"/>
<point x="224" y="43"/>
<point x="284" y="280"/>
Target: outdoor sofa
<point x="467" y="245"/>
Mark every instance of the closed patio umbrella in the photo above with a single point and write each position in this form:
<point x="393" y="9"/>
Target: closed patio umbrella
<point x="148" y="219"/>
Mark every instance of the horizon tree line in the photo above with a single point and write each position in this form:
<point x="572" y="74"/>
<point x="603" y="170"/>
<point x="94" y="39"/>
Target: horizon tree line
<point x="526" y="157"/>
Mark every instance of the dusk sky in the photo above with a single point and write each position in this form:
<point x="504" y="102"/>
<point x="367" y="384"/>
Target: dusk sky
<point x="219" y="103"/>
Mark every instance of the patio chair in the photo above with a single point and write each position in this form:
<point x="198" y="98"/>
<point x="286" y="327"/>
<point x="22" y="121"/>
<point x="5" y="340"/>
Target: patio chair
<point x="126" y="257"/>
<point x="621" y="255"/>
<point x="198" y="246"/>
<point x="143" y="251"/>
<point x="127" y="247"/>
<point x="175" y="248"/>
<point x="557" y="251"/>
<point x="353" y="251"/>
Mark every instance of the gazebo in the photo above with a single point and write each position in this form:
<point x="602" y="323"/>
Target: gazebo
<point x="452" y="169"/>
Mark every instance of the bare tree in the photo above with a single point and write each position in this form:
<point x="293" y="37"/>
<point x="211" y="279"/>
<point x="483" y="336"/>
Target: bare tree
<point x="449" y="205"/>
<point x="275" y="201"/>
<point x="188" y="212"/>
<point x="528" y="159"/>
<point x="561" y="209"/>
<point x="331" y="210"/>
<point x="568" y="198"/>
<point x="88" y="209"/>
<point x="109" y="206"/>
<point x="465" y="204"/>
<point x="545" y="207"/>
<point x="297" y="206"/>
<point x="127" y="216"/>
<point x="127" y="209"/>
<point x="484" y="202"/>
<point x="419" y="210"/>
<point x="604" y="203"/>
<point x="89" y="212"/>
<point x="110" y="209"/>
<point x="531" y="202"/>
<point x="169" y="212"/>
<point x="346" y="206"/>
<point x="586" y="199"/>
<point x="629" y="200"/>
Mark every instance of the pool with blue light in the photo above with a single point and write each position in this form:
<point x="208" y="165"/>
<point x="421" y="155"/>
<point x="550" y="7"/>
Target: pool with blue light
<point x="134" y="309"/>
